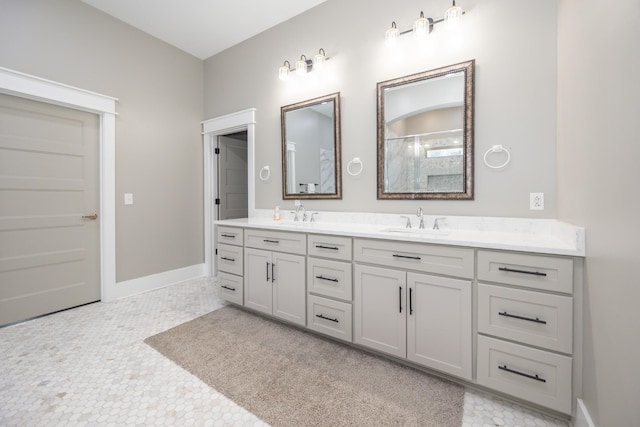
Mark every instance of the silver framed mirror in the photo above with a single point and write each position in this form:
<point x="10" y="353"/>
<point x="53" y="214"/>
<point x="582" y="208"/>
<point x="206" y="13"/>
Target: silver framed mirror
<point x="425" y="134"/>
<point x="311" y="161"/>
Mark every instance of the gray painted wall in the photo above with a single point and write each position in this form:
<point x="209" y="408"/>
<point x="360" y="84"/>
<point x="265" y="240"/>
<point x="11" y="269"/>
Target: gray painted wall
<point x="158" y="142"/>
<point x="598" y="175"/>
<point x="515" y="50"/>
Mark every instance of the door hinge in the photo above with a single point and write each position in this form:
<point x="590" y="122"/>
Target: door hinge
<point x="217" y="201"/>
<point x="217" y="150"/>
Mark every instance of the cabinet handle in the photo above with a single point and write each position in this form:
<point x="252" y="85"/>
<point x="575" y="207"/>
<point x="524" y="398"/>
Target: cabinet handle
<point x="410" y="301"/>
<point x="268" y="272"/>
<point x="270" y="241"/>
<point x="533" y="377"/>
<point x="511" y="270"/>
<point x="273" y="274"/>
<point x="226" y="287"/>
<point x="228" y="235"/>
<point x="400" y="298"/>
<point x="334" y="248"/>
<point x="406" y="256"/>
<point x="327" y="318"/>
<point x="528" y="319"/>
<point x="331" y="279"/>
<point x="227" y="259"/>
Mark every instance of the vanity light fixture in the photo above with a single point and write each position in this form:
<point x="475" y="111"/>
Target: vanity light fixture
<point x="422" y="26"/>
<point x="303" y="65"/>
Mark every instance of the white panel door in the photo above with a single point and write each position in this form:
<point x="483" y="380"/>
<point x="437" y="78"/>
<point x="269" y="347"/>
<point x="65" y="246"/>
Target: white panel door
<point x="439" y="323"/>
<point x="232" y="176"/>
<point x="380" y="309"/>
<point x="49" y="253"/>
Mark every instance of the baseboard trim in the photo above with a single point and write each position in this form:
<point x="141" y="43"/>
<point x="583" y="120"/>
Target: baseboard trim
<point x="583" y="419"/>
<point x="152" y="282"/>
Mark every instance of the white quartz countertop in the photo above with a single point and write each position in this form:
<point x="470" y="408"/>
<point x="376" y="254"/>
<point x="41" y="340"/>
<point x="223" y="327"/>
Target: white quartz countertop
<point x="545" y="236"/>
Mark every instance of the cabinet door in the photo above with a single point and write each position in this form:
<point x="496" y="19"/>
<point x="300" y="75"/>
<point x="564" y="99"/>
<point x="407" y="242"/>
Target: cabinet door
<point x="380" y="309"/>
<point x="257" y="279"/>
<point x="439" y="323"/>
<point x="289" y="289"/>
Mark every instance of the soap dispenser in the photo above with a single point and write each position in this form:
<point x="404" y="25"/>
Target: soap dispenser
<point x="276" y="213"/>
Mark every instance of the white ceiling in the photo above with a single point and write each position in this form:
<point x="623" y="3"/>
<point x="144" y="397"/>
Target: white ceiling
<point x="203" y="27"/>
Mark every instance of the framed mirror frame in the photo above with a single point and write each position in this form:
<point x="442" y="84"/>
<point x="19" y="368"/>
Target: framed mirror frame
<point x="337" y="166"/>
<point x="468" y="68"/>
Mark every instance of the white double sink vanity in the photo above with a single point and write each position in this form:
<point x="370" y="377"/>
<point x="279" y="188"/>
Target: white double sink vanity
<point x="494" y="302"/>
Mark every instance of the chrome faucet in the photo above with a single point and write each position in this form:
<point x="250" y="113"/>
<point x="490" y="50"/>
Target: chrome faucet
<point x="436" y="226"/>
<point x="421" y="217"/>
<point x="299" y="208"/>
<point x="313" y="215"/>
<point x="408" y="225"/>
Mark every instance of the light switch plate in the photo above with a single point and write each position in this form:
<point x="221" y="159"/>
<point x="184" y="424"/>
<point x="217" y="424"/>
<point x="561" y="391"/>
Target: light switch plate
<point x="128" y="198"/>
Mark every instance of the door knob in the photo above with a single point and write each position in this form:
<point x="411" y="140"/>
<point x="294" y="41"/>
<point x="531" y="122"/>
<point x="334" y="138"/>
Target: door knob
<point x="93" y="216"/>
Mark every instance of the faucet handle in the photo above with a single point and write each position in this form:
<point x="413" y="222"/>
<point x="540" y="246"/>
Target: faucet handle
<point x="408" y="225"/>
<point x="295" y="217"/>
<point x="436" y="225"/>
<point x="313" y="216"/>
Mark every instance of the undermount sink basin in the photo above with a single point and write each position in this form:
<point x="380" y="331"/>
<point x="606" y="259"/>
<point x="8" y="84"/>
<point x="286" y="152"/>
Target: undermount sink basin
<point x="416" y="231"/>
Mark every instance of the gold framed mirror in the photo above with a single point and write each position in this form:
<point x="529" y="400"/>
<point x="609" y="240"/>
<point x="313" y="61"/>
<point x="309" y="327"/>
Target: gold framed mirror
<point x="425" y="134"/>
<point x="311" y="160"/>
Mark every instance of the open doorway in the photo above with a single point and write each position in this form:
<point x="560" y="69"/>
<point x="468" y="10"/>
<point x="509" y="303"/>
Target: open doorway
<point x="232" y="191"/>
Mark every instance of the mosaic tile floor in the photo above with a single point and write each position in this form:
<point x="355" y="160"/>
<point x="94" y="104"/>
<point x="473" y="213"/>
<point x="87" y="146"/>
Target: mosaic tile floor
<point x="89" y="367"/>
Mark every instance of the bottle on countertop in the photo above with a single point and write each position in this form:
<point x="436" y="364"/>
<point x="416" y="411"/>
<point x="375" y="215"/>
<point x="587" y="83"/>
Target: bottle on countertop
<point x="276" y="213"/>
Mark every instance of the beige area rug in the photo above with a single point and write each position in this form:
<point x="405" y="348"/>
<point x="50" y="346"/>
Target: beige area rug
<point x="289" y="377"/>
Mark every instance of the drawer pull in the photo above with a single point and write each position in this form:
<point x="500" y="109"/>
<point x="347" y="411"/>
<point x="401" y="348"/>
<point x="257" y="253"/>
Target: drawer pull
<point x="511" y="270"/>
<point x="270" y="241"/>
<point x="331" y="279"/>
<point x="533" y="377"/>
<point x="327" y="318"/>
<point x="333" y="248"/>
<point x="406" y="256"/>
<point x="228" y="259"/>
<point x="529" y="319"/>
<point x="226" y="287"/>
<point x="228" y="235"/>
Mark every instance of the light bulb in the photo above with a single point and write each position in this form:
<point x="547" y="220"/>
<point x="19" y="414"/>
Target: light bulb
<point x="391" y="35"/>
<point x="301" y="66"/>
<point x="318" y="60"/>
<point x="452" y="16"/>
<point x="283" y="72"/>
<point x="421" y="27"/>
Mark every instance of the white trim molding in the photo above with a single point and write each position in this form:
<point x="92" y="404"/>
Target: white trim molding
<point x="583" y="419"/>
<point x="32" y="87"/>
<point x="211" y="129"/>
<point x="156" y="281"/>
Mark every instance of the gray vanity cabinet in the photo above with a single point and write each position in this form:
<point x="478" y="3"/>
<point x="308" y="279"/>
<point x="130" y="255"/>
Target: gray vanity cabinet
<point x="424" y="318"/>
<point x="229" y="258"/>
<point x="275" y="281"/>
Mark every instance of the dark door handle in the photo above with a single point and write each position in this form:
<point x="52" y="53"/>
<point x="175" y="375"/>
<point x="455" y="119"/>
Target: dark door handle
<point x="522" y="374"/>
<point x="226" y="287"/>
<point x="270" y="241"/>
<point x="330" y="279"/>
<point x="273" y="273"/>
<point x="406" y="256"/>
<point x="327" y="247"/>
<point x="410" y="301"/>
<point x="227" y="259"/>
<point x="228" y="235"/>
<point x="268" y="272"/>
<point x="400" y="298"/>
<point x="327" y="318"/>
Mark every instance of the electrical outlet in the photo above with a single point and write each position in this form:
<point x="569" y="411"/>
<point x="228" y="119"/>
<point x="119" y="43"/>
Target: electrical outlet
<point x="536" y="201"/>
<point x="128" y="198"/>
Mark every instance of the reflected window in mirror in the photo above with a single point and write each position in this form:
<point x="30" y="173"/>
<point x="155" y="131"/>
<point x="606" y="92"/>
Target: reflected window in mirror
<point x="425" y="135"/>
<point x="311" y="162"/>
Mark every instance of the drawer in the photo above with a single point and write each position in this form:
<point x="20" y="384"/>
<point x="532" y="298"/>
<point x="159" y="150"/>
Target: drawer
<point x="231" y="287"/>
<point x="535" y="375"/>
<point x="416" y="256"/>
<point x="535" y="318"/>
<point x="334" y="247"/>
<point x="230" y="235"/>
<point x="329" y="278"/>
<point x="230" y="259"/>
<point x="281" y="241"/>
<point x="532" y="271"/>
<point x="329" y="317"/>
